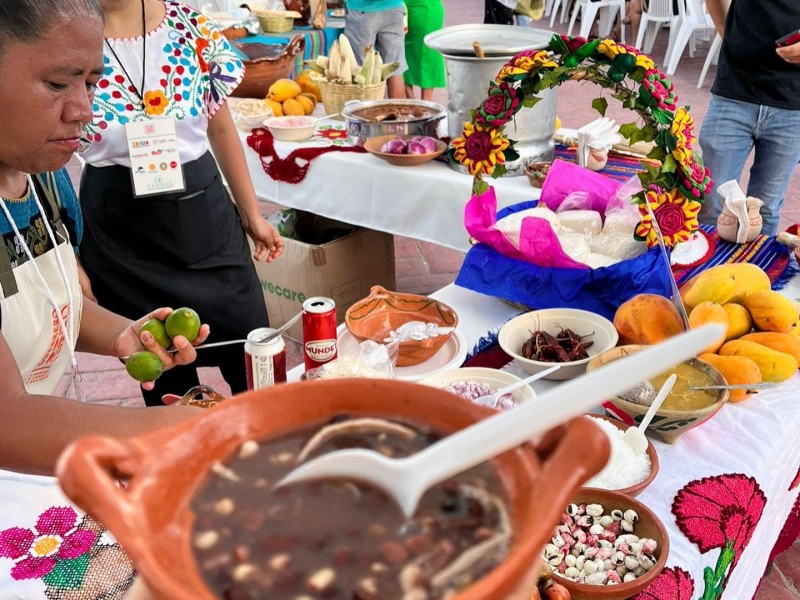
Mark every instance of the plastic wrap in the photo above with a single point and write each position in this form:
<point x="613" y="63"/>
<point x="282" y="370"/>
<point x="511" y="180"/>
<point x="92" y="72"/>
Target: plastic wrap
<point x="372" y="360"/>
<point x="580" y="221"/>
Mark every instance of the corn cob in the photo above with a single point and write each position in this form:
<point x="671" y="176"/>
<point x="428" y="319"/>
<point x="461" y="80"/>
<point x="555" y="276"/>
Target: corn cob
<point x="377" y="67"/>
<point x="332" y="70"/>
<point x="347" y="51"/>
<point x="368" y="66"/>
<point x="344" y="71"/>
<point x="388" y="69"/>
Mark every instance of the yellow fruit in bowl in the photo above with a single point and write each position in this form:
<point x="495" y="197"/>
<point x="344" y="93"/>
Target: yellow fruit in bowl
<point x="308" y="85"/>
<point x="283" y="89"/>
<point x="306" y="102"/>
<point x="277" y="107"/>
<point x="292" y="107"/>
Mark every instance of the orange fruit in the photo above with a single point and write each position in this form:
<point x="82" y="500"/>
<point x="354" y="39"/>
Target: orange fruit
<point x="308" y="85"/>
<point x="307" y="104"/>
<point x="277" y="107"/>
<point x="292" y="107"/>
<point x="283" y="89"/>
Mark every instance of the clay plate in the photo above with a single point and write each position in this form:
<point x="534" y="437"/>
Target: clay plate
<point x="153" y="521"/>
<point x="373" y="146"/>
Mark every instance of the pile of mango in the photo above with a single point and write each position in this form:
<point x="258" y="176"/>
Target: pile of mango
<point x="289" y="97"/>
<point x="762" y="340"/>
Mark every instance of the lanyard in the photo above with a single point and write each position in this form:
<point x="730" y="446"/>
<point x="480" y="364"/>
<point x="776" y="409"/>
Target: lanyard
<point x="62" y="270"/>
<point x="140" y="92"/>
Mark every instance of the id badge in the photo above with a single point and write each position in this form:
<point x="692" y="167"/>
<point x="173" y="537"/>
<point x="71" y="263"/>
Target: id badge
<point x="155" y="162"/>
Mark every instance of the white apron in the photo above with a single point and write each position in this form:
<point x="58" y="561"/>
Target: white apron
<point x="48" y="549"/>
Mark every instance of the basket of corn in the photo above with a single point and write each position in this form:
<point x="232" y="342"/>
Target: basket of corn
<point x="341" y="78"/>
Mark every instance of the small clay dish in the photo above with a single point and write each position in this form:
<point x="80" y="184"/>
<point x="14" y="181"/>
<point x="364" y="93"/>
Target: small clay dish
<point x="637" y="488"/>
<point x="374" y="145"/>
<point x="383" y="311"/>
<point x="668" y="425"/>
<point x="648" y="526"/>
<point x="537" y="172"/>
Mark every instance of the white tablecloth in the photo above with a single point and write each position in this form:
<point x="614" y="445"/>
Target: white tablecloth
<point x="425" y="202"/>
<point x="759" y="438"/>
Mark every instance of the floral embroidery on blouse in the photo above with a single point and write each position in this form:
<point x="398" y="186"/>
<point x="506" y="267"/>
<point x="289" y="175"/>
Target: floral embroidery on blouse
<point x="198" y="70"/>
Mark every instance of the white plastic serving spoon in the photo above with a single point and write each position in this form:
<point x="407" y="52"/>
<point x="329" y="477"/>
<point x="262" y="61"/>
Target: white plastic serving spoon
<point x="491" y="400"/>
<point x="406" y="479"/>
<point x="634" y="436"/>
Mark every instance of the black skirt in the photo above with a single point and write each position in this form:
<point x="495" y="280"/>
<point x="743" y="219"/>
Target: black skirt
<point x="177" y="249"/>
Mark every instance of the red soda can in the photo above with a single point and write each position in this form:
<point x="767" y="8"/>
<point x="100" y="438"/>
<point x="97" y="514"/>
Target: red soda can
<point x="265" y="362"/>
<point x="319" y="331"/>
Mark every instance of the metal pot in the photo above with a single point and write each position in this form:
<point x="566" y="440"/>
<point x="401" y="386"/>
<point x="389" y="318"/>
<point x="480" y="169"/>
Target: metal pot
<point x="468" y="80"/>
<point x="391" y="117"/>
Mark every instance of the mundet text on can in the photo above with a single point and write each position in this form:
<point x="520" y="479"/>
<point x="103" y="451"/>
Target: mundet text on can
<point x="319" y="331"/>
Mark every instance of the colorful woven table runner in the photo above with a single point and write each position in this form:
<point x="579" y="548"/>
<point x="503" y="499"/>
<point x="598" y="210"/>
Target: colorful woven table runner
<point x="620" y="167"/>
<point x="293" y="167"/>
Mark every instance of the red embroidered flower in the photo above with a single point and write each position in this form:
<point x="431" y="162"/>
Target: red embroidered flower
<point x="201" y="44"/>
<point x="573" y="43"/>
<point x="670" y="584"/>
<point x="36" y="551"/>
<point x="717" y="510"/>
<point x="498" y="108"/>
<point x="661" y="89"/>
<point x="332" y="133"/>
<point x="695" y="179"/>
<point x="676" y="215"/>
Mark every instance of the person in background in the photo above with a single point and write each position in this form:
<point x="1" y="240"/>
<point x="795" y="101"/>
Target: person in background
<point x="499" y="12"/>
<point x="380" y="24"/>
<point x="50" y="62"/>
<point x="179" y="247"/>
<point x="426" y="68"/>
<point x="755" y="104"/>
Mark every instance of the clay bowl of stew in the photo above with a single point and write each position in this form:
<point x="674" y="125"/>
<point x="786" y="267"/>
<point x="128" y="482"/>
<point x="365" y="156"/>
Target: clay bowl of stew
<point x="682" y="409"/>
<point x="382" y="312"/>
<point x="648" y="526"/>
<point x="200" y="519"/>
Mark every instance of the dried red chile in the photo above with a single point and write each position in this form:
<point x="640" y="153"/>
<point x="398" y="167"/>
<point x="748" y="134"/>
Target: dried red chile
<point x="566" y="346"/>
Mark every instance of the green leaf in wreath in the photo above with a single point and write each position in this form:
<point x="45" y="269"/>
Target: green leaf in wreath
<point x="645" y="98"/>
<point x="639" y="197"/>
<point x="629" y="102"/>
<point x="640" y="135"/>
<point x="600" y="105"/>
<point x="551" y="78"/>
<point x="668" y="164"/>
<point x="68" y="573"/>
<point x="657" y="154"/>
<point x="558" y="46"/>
<point x="637" y="74"/>
<point x="530" y="101"/>
<point x="510" y="154"/>
<point x="664" y="117"/>
<point x="626" y="130"/>
<point x="666" y="140"/>
<point x="480" y="187"/>
<point x="499" y="171"/>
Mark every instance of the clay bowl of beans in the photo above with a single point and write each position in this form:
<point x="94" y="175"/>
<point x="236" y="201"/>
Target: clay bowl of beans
<point x="201" y="518"/>
<point x="616" y="546"/>
<point x="625" y="472"/>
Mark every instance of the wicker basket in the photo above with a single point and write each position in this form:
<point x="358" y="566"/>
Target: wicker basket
<point x="275" y="21"/>
<point x="334" y="95"/>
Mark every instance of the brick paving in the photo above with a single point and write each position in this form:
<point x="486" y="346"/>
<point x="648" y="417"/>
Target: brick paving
<point x="423" y="268"/>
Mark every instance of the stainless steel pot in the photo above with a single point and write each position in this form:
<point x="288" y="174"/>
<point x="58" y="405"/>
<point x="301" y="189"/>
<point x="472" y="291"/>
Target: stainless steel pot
<point x="468" y="79"/>
<point x="386" y="117"/>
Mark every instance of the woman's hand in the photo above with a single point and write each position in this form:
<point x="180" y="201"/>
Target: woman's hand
<point x="131" y="340"/>
<point x="790" y="54"/>
<point x="267" y="240"/>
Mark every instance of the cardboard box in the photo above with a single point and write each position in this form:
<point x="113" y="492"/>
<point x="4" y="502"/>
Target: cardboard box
<point x="344" y="268"/>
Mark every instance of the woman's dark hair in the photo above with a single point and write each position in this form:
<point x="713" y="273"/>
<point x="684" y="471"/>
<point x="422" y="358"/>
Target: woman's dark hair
<point x="28" y="21"/>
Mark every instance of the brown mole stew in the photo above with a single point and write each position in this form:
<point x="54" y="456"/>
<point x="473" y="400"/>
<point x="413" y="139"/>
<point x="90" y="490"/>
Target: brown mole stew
<point x="336" y="539"/>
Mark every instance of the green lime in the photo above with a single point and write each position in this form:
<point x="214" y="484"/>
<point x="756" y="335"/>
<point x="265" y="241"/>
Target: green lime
<point x="159" y="331"/>
<point x="183" y="321"/>
<point x="144" y="366"/>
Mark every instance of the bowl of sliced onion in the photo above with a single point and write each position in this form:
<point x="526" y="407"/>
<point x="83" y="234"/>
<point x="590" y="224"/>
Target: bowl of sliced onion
<point x="405" y="150"/>
<point x="476" y="383"/>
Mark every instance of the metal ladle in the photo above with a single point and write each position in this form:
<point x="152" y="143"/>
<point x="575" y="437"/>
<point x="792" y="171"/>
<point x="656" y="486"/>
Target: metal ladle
<point x="407" y="479"/>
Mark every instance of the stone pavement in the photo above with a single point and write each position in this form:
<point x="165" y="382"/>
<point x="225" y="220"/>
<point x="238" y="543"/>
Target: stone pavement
<point x="423" y="267"/>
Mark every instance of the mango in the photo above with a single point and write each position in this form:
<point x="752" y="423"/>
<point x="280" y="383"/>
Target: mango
<point x="293" y="107"/>
<point x="739" y="321"/>
<point x="724" y="283"/>
<point x="771" y="311"/>
<point x="307" y="103"/>
<point x="737" y="370"/>
<point x="283" y="89"/>
<point x="647" y="319"/>
<point x="709" y="312"/>
<point x="774" y="366"/>
<point x="277" y="107"/>
<point x="782" y="342"/>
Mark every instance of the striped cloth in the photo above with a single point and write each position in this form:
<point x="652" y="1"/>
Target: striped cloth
<point x="317" y="42"/>
<point x="619" y="167"/>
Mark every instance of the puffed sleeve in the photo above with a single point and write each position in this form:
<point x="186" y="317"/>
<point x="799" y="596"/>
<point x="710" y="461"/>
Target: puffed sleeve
<point x="218" y="58"/>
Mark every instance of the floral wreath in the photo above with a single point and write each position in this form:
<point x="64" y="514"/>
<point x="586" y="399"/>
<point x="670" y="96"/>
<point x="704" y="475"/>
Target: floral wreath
<point x="674" y="187"/>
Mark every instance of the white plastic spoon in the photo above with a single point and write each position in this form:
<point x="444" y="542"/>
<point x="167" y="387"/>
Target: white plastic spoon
<point x="634" y="436"/>
<point x="406" y="479"/>
<point x="491" y="400"/>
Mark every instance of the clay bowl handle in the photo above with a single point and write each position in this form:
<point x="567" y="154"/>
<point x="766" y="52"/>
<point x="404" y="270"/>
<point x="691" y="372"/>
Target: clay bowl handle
<point x="88" y="472"/>
<point x="296" y="46"/>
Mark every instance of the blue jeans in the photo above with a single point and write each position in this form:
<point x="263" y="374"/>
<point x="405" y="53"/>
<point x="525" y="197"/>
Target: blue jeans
<point x="731" y="129"/>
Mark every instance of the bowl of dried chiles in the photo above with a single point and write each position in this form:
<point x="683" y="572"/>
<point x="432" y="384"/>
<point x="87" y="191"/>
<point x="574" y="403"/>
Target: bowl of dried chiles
<point x="567" y="336"/>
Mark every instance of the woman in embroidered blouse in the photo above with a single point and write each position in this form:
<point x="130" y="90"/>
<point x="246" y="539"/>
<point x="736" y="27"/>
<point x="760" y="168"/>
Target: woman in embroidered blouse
<point x="179" y="247"/>
<point x="50" y="60"/>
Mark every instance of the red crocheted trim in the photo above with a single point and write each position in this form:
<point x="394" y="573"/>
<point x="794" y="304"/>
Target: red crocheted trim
<point x="292" y="168"/>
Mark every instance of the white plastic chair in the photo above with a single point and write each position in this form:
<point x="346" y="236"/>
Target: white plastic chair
<point x="607" y="11"/>
<point x="712" y="58"/>
<point x="655" y="15"/>
<point x="565" y="5"/>
<point x="695" y="20"/>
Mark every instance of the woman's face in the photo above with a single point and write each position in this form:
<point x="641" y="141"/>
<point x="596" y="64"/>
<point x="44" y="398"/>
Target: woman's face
<point x="46" y="92"/>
